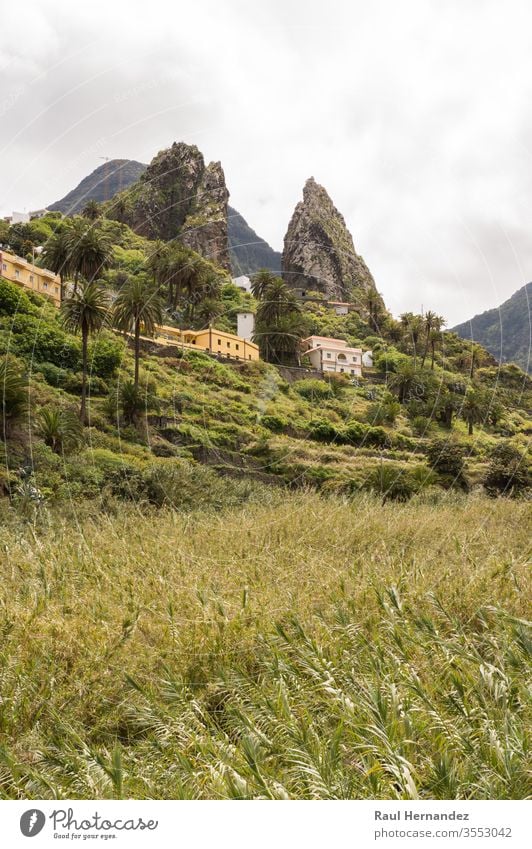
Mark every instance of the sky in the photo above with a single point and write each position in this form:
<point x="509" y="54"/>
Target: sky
<point x="415" y="116"/>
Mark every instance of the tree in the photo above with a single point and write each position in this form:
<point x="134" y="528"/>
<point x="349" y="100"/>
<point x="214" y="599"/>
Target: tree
<point x="13" y="393"/>
<point x="474" y="409"/>
<point x="56" y="256"/>
<point x="432" y="325"/>
<point x="508" y="471"/>
<point x="92" y="210"/>
<point x="90" y="250"/>
<point x="413" y="327"/>
<point x="260" y="281"/>
<point x="137" y="307"/>
<point x="279" y="324"/>
<point x="375" y="308"/>
<point x="477" y="357"/>
<point x="404" y="380"/>
<point x="85" y="311"/>
<point x="59" y="428"/>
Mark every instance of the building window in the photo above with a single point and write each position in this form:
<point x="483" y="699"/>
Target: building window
<point x="31" y="278"/>
<point x="228" y="344"/>
<point x="328" y="356"/>
<point x="342" y="357"/>
<point x="4" y="267"/>
<point x="352" y="371"/>
<point x="250" y="356"/>
<point x="17" y="272"/>
<point x="354" y="359"/>
<point x="45" y="285"/>
<point x="56" y="290"/>
<point x="341" y="369"/>
<point x="237" y="346"/>
<point x="219" y="341"/>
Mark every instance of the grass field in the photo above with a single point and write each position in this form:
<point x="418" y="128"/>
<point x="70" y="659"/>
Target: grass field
<point x="306" y="647"/>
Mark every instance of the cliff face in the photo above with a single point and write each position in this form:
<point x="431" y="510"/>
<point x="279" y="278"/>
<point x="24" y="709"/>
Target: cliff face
<point x="249" y="253"/>
<point x="318" y="249"/>
<point x="205" y="227"/>
<point x="178" y="196"/>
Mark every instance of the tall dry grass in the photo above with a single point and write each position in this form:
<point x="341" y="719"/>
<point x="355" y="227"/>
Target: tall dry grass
<point x="306" y="648"/>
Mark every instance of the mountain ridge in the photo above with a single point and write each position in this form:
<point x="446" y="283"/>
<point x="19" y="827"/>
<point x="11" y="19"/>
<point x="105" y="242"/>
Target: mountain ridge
<point x="505" y="331"/>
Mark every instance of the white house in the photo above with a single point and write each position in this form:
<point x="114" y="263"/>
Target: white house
<point x="245" y="322"/>
<point x="328" y="354"/>
<point x="367" y="359"/>
<point x="243" y="282"/>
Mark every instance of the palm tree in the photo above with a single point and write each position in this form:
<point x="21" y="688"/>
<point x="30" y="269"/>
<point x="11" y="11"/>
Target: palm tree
<point x="138" y="306"/>
<point x="477" y="358"/>
<point x="85" y="311"/>
<point x="59" y="428"/>
<point x="92" y="210"/>
<point x="90" y="250"/>
<point x="260" y="281"/>
<point x="413" y="325"/>
<point x="57" y="257"/>
<point x="473" y="409"/>
<point x="435" y="337"/>
<point x="279" y="324"/>
<point x="432" y="325"/>
<point x="13" y="393"/>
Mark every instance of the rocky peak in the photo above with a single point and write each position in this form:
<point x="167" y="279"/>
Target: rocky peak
<point x="318" y="249"/>
<point x="205" y="227"/>
<point x="178" y="196"/>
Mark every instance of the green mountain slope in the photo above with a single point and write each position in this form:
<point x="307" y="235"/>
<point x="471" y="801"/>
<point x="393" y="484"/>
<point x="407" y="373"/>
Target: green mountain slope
<point x="506" y="331"/>
<point x="248" y="251"/>
<point x="102" y="184"/>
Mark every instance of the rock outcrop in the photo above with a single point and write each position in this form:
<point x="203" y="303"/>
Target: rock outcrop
<point x="318" y="253"/>
<point x="178" y="196"/>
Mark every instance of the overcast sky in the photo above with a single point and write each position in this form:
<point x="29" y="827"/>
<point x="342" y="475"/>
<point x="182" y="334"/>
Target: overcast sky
<point x="415" y="116"/>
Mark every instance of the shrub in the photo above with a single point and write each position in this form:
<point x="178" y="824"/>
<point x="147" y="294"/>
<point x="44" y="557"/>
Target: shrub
<point x="446" y="457"/>
<point x="313" y="389"/>
<point x="45" y="341"/>
<point x="383" y="412"/>
<point x="59" y="428"/>
<point x="322" y="431"/>
<point x="274" y="423"/>
<point x="421" y="425"/>
<point x="105" y="355"/>
<point x="508" y="471"/>
<point x="391" y="482"/>
<point x="13" y="299"/>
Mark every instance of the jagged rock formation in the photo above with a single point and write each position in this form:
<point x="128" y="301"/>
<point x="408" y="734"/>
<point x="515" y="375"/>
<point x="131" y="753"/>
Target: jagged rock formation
<point x="506" y="331"/>
<point x="249" y="253"/>
<point x="178" y="196"/>
<point x="102" y="185"/>
<point x="318" y="249"/>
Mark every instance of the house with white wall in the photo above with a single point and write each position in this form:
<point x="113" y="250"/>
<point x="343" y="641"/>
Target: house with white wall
<point x="333" y="355"/>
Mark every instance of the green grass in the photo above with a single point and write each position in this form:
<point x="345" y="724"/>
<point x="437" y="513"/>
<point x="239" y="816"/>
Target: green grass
<point x="302" y="647"/>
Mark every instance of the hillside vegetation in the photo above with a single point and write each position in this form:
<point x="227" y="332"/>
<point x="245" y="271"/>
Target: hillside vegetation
<point x="227" y="579"/>
<point x="505" y="331"/>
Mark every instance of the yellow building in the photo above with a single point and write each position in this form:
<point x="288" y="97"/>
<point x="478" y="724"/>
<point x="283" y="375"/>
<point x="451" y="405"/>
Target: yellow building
<point x="30" y="276"/>
<point x="211" y="341"/>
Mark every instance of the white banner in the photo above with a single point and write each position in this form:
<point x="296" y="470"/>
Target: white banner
<point x="272" y="825"/>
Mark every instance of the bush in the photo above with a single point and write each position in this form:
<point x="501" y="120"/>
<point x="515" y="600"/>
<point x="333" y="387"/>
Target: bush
<point x="322" y="431"/>
<point x="13" y="299"/>
<point x="44" y="340"/>
<point x="446" y="457"/>
<point x="391" y="482"/>
<point x="421" y="425"/>
<point x="274" y="423"/>
<point x="186" y="486"/>
<point x="508" y="471"/>
<point x="105" y="355"/>
<point x="313" y="389"/>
